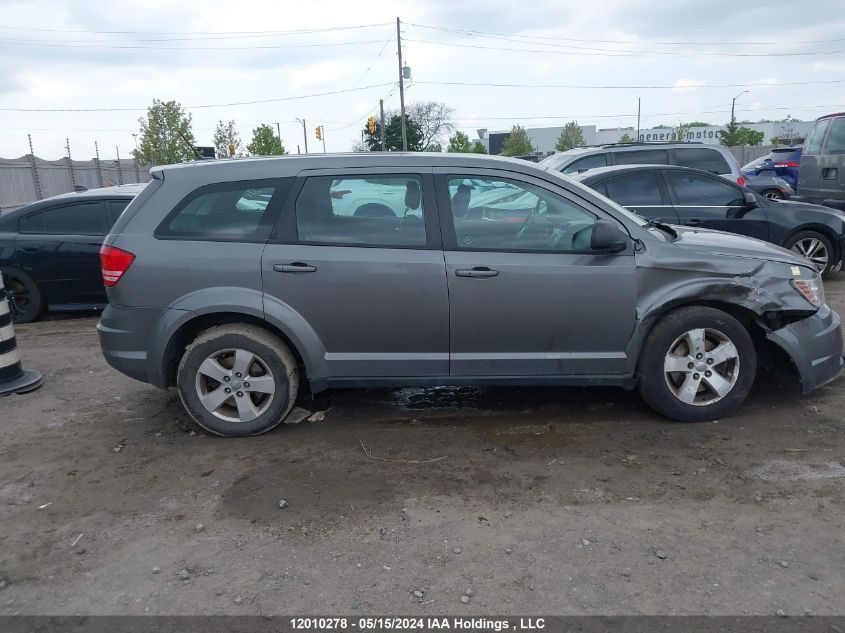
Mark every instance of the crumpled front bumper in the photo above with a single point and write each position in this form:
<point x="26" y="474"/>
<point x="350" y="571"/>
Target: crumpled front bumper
<point x="815" y="346"/>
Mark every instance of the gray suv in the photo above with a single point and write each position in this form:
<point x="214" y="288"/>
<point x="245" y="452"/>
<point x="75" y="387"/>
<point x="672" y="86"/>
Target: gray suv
<point x="244" y="282"/>
<point x="822" y="174"/>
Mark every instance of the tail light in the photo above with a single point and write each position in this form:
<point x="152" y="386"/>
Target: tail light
<point x="114" y="262"/>
<point x="741" y="181"/>
<point x="790" y="163"/>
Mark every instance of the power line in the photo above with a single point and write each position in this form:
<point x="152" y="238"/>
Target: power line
<point x="591" y="40"/>
<point x="274" y="32"/>
<point x="626" y="53"/>
<point x="201" y="106"/>
<point x="629" y="87"/>
<point x="191" y="48"/>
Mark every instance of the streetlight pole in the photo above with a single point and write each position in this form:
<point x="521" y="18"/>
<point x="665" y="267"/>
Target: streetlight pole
<point x="733" y="104"/>
<point x="279" y="134"/>
<point x="401" y="88"/>
<point x="304" y="134"/>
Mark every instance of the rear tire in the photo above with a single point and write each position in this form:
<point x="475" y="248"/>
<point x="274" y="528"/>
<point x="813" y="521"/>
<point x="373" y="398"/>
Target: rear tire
<point x="697" y="364"/>
<point x="238" y="380"/>
<point x="25" y="301"/>
<point x="814" y="246"/>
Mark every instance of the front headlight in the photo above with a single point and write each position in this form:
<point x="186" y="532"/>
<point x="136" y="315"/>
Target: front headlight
<point x="811" y="289"/>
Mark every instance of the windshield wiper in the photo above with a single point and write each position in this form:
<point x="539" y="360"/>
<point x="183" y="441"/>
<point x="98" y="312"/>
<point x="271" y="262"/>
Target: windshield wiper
<point x="657" y="223"/>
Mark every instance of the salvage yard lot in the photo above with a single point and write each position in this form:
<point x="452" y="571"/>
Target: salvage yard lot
<point x="562" y="501"/>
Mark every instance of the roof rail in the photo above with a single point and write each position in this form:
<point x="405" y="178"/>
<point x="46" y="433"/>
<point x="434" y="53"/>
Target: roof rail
<point x="638" y="143"/>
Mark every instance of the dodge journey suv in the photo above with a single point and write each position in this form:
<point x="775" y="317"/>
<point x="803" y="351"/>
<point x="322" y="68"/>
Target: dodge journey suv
<point x="244" y="282"/>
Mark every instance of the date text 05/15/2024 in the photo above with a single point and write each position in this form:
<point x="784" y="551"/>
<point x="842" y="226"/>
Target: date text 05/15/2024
<point x="431" y="623"/>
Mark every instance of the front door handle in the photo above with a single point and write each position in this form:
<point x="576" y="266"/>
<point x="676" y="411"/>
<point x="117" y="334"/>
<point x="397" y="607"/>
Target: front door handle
<point x="31" y="249"/>
<point x="294" y="267"/>
<point x="693" y="222"/>
<point x="478" y="271"/>
<point x="830" y="173"/>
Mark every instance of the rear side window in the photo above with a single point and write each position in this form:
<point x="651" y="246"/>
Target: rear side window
<point x="835" y="143"/>
<point x="86" y="218"/>
<point x="377" y="210"/>
<point x="642" y="157"/>
<point x="702" y="158"/>
<point x="116" y="207"/>
<point x="243" y="210"/>
<point x="813" y="144"/>
<point x="588" y="162"/>
<point x="702" y="191"/>
<point x="631" y="190"/>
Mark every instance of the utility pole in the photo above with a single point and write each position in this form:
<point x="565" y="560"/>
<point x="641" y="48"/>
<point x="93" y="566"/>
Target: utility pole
<point x="733" y="103"/>
<point x="381" y="118"/>
<point x="279" y="134"/>
<point x="638" y="119"/>
<point x="304" y="134"/>
<point x="401" y="88"/>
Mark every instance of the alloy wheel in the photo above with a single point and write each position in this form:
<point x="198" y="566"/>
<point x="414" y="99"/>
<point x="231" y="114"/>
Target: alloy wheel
<point x="701" y="367"/>
<point x="813" y="249"/>
<point x="18" y="295"/>
<point x="235" y="385"/>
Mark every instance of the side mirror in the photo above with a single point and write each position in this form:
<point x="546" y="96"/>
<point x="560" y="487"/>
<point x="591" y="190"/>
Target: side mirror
<point x="751" y="200"/>
<point x="608" y="237"/>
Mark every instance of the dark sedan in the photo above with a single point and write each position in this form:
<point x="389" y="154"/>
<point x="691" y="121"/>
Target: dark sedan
<point x="49" y="250"/>
<point x="680" y="195"/>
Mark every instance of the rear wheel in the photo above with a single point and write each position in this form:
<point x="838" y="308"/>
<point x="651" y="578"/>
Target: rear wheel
<point x="697" y="364"/>
<point x="24" y="297"/>
<point x="774" y="194"/>
<point x="815" y="247"/>
<point x="238" y="380"/>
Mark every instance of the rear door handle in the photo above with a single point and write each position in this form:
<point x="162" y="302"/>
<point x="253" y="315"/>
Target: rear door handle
<point x="830" y="173"/>
<point x="693" y="222"/>
<point x="478" y="271"/>
<point x="294" y="267"/>
<point x="31" y="249"/>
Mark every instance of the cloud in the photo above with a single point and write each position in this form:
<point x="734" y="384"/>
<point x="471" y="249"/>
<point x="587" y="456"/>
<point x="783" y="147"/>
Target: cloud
<point x="687" y="85"/>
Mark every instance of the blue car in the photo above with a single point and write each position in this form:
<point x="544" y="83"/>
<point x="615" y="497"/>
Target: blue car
<point x="783" y="161"/>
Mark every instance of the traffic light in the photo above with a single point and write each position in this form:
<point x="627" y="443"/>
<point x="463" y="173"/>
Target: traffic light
<point x="371" y="125"/>
<point x="319" y="131"/>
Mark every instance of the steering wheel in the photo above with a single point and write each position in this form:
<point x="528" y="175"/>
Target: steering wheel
<point x="528" y="221"/>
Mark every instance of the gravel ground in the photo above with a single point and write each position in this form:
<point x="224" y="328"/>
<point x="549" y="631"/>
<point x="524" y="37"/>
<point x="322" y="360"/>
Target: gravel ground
<point x="415" y="501"/>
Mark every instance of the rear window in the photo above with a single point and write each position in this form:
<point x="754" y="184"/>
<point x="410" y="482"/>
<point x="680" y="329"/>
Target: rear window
<point x="642" y="157"/>
<point x="702" y="158"/>
<point x="632" y="190"/>
<point x="813" y="144"/>
<point x="835" y="143"/>
<point x="237" y="210"/>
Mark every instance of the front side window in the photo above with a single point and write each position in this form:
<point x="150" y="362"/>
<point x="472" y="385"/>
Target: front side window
<point x="642" y="157"/>
<point x="813" y="144"/>
<point x="376" y="210"/>
<point x="835" y="143"/>
<point x="702" y="158"/>
<point x="701" y="191"/>
<point x="228" y="210"/>
<point x="86" y="218"/>
<point x="504" y="214"/>
<point x="588" y="162"/>
<point x="632" y="190"/>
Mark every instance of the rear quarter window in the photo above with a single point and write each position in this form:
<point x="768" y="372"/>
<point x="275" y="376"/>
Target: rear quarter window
<point x="233" y="211"/>
<point x="642" y="157"/>
<point x="702" y="158"/>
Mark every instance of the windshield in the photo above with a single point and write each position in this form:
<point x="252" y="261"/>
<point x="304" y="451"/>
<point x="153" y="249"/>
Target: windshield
<point x="638" y="219"/>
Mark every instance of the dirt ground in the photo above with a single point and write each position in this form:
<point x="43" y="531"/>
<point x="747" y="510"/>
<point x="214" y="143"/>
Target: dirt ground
<point x="554" y="501"/>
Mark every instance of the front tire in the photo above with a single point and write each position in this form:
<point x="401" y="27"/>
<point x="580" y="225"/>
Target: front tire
<point x="697" y="364"/>
<point x="815" y="247"/>
<point x="25" y="301"/>
<point x="238" y="380"/>
<point x="774" y="194"/>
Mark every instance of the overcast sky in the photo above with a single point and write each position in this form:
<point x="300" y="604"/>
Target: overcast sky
<point x="121" y="55"/>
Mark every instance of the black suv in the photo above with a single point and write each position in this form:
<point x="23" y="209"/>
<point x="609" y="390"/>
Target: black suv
<point x="49" y="250"/>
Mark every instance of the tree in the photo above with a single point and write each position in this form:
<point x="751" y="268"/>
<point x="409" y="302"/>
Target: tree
<point x="459" y="143"/>
<point x="165" y="136"/>
<point x="735" y="134"/>
<point x="626" y="138"/>
<point x="434" y="147"/>
<point x="478" y="148"/>
<point x="571" y="136"/>
<point x="433" y="119"/>
<point x="393" y="135"/>
<point x="517" y="143"/>
<point x="265" y="142"/>
<point x="225" y="135"/>
<point x="682" y="130"/>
